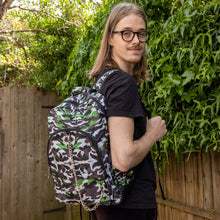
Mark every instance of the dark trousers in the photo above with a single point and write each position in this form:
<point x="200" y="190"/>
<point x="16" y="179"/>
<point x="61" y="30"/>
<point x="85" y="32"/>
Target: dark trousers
<point x="116" y="213"/>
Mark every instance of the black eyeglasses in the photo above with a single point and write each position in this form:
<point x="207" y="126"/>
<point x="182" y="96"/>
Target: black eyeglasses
<point x="128" y="36"/>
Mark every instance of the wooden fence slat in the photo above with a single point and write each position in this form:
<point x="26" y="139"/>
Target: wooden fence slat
<point x="174" y="189"/>
<point x="198" y="188"/>
<point x="200" y="193"/>
<point x="189" y="174"/>
<point x="181" y="193"/>
<point x="22" y="145"/>
<point x="14" y="140"/>
<point x="216" y="180"/>
<point x="168" y="214"/>
<point x="42" y="155"/>
<point x="47" y="193"/>
<point x="207" y="181"/>
<point x="76" y="213"/>
<point x="161" y="210"/>
<point x="6" y="152"/>
<point x="168" y="210"/>
<point x="1" y="149"/>
<point x="37" y="159"/>
<point x="30" y="125"/>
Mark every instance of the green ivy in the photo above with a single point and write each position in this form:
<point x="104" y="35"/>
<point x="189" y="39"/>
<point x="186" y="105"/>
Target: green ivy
<point x="183" y="58"/>
<point x="40" y="57"/>
<point x="184" y="61"/>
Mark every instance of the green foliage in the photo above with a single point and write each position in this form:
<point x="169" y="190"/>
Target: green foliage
<point x="45" y="33"/>
<point x="184" y="60"/>
<point x="156" y="10"/>
<point x="13" y="58"/>
<point x="84" y="53"/>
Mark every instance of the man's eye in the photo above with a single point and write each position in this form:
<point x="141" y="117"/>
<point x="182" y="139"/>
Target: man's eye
<point x="142" y="34"/>
<point x="127" y="33"/>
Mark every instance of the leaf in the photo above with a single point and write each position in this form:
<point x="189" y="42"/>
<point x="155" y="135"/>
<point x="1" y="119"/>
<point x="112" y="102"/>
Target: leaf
<point x="216" y="120"/>
<point x="162" y="61"/>
<point x="189" y="76"/>
<point x="203" y="122"/>
<point x="180" y="90"/>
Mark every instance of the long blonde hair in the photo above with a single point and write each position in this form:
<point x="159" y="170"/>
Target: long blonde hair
<point x="104" y="57"/>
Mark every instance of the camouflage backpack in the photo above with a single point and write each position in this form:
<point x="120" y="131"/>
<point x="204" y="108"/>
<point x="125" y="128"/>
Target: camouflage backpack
<point x="79" y="153"/>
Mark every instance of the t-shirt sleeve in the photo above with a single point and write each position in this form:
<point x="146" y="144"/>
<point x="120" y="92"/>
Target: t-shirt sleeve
<point x="122" y="97"/>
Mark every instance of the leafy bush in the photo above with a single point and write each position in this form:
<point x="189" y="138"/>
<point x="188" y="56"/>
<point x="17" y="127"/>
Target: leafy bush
<point x="84" y="53"/>
<point x="184" y="60"/>
<point x="36" y="39"/>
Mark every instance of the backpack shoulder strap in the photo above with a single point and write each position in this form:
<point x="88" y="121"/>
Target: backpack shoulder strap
<point x="99" y="84"/>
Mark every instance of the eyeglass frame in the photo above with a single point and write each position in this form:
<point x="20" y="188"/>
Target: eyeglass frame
<point x="137" y="33"/>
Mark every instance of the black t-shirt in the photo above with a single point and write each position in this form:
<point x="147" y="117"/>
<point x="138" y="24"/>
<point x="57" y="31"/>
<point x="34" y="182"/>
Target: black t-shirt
<point x="122" y="99"/>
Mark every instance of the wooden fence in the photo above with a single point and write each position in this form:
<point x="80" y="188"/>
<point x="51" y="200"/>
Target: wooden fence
<point x="192" y="189"/>
<point x="26" y="191"/>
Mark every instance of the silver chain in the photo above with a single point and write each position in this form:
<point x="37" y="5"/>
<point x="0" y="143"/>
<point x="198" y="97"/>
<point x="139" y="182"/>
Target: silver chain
<point x="86" y="207"/>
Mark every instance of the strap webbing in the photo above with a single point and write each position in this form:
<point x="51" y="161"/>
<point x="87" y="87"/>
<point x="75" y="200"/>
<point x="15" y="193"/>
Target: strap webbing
<point x="157" y="161"/>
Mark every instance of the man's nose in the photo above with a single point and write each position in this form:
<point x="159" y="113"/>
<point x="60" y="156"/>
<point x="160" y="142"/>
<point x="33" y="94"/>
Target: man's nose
<point x="136" y="38"/>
